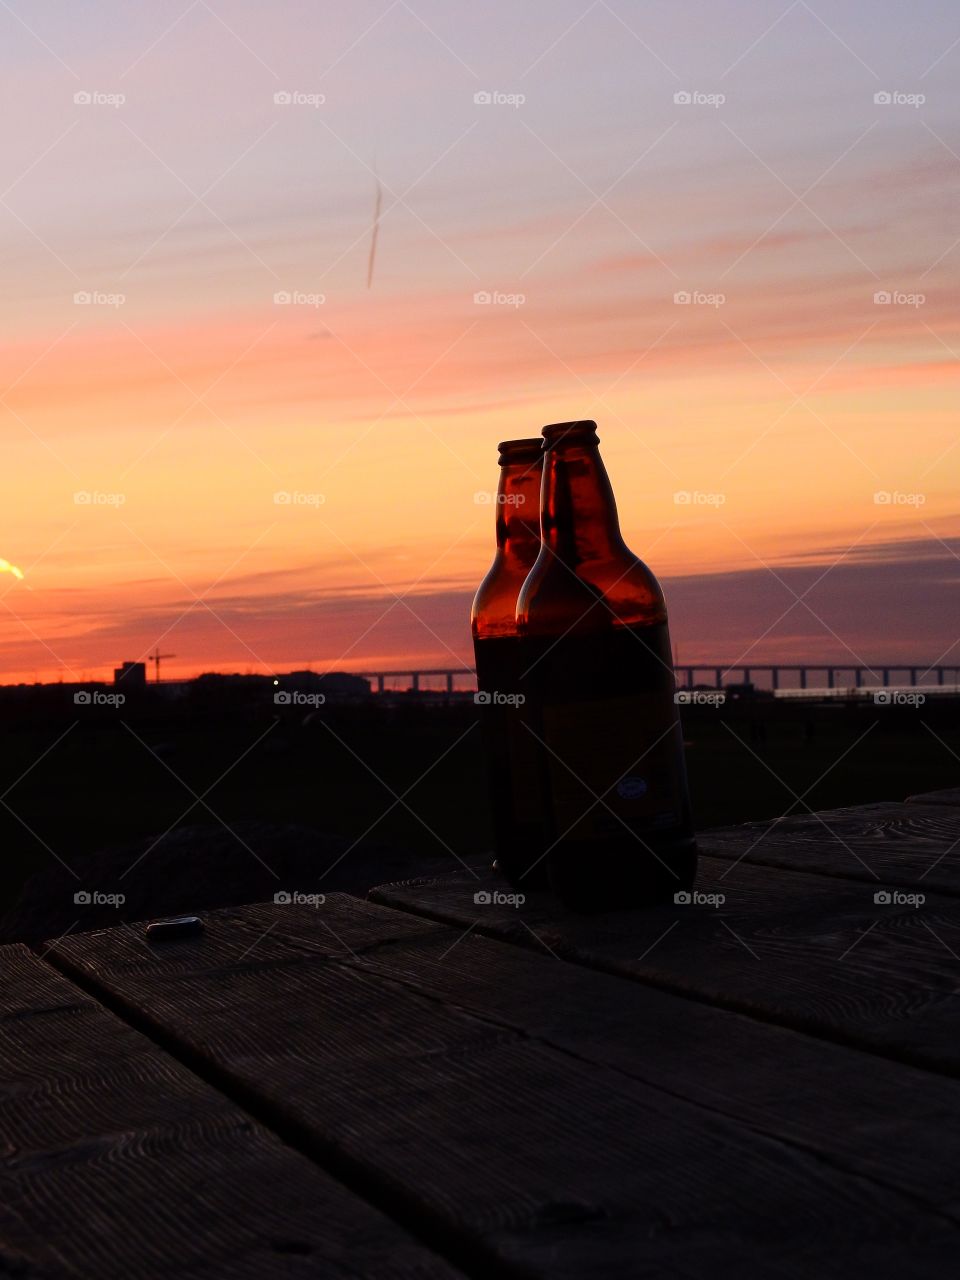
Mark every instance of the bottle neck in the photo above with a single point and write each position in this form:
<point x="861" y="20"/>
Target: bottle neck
<point x="518" y="509"/>
<point x="578" y="511"/>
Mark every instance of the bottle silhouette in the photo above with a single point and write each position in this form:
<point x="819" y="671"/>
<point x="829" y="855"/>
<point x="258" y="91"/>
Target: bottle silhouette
<point x="513" y="769"/>
<point x="592" y="617"/>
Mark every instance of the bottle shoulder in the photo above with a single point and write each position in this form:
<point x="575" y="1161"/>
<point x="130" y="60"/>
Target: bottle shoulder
<point x="494" y="608"/>
<point x="618" y="590"/>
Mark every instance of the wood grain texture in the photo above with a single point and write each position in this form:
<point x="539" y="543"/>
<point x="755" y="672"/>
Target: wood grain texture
<point x="949" y="796"/>
<point x="537" y="1150"/>
<point x="118" y="1162"/>
<point x="807" y="951"/>
<point x="885" y="844"/>
<point x="889" y="1122"/>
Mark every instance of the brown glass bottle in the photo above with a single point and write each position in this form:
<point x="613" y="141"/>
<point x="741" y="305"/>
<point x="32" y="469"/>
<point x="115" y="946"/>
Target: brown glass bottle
<point x="600" y="679"/>
<point x="509" y="748"/>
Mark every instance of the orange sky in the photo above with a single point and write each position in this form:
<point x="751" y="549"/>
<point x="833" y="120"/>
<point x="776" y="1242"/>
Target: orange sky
<point x="183" y="399"/>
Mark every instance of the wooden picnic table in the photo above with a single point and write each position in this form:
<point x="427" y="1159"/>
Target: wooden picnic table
<point x="438" y="1082"/>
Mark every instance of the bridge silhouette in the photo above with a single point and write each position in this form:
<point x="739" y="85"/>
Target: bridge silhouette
<point x="718" y="676"/>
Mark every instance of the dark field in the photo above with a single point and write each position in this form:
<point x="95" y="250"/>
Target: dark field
<point x="356" y="795"/>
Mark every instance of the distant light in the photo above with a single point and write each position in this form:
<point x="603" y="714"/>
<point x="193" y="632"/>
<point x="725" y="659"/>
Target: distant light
<point x="276" y="682"/>
<point x="7" y="567"/>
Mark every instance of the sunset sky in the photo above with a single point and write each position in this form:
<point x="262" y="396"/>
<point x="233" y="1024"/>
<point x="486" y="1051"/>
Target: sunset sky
<point x="148" y="165"/>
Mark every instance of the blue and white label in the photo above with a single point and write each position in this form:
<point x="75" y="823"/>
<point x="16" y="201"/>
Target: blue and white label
<point x="632" y="788"/>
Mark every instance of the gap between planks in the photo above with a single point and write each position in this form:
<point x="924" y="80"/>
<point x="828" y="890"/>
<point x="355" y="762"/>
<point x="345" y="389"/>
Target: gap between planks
<point x="466" y="1255"/>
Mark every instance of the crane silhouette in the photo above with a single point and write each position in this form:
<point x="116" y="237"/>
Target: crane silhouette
<point x="156" y="658"/>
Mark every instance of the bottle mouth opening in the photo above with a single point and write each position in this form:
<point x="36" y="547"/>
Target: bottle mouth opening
<point x="527" y="450"/>
<point x="582" y="432"/>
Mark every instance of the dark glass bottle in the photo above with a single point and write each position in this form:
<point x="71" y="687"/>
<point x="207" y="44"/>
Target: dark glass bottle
<point x="599" y="670"/>
<point x="509" y="747"/>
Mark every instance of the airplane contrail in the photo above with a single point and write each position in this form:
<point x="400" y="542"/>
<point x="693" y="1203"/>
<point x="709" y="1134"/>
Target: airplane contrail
<point x="7" y="567"/>
<point x="377" y="204"/>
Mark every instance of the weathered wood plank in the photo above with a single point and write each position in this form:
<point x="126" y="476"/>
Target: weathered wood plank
<point x="887" y="844"/>
<point x="117" y="1161"/>
<point x="949" y="796"/>
<point x="536" y="1151"/>
<point x="890" y="1122"/>
<point x="807" y="951"/>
